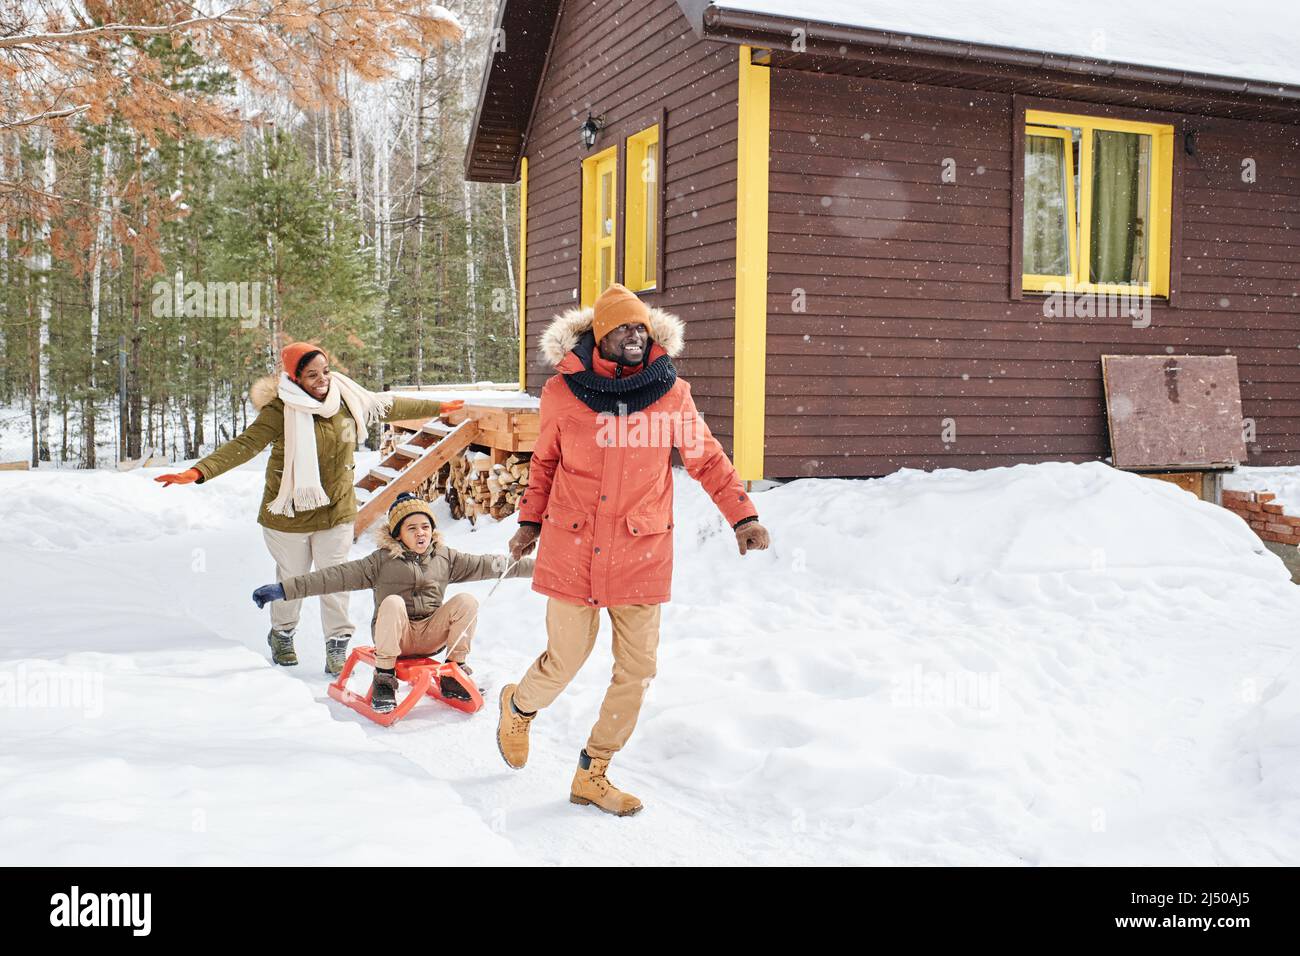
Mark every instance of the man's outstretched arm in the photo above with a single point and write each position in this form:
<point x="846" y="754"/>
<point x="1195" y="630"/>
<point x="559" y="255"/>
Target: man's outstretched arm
<point x="708" y="464"/>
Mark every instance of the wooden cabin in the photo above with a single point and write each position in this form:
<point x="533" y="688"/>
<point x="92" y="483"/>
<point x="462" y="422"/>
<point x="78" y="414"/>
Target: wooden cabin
<point x="903" y="235"/>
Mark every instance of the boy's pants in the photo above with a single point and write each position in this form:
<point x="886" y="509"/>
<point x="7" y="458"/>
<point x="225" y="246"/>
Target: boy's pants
<point x="396" y="635"/>
<point x="570" y="636"/>
<point x="294" y="554"/>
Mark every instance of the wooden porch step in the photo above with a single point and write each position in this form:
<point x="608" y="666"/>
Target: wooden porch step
<point x="387" y="483"/>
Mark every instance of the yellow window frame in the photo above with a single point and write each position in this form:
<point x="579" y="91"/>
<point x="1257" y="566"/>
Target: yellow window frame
<point x="1159" y="202"/>
<point x="640" y="257"/>
<point x="593" y="244"/>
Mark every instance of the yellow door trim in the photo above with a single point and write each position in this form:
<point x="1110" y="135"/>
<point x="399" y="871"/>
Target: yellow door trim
<point x="753" y="124"/>
<point x="523" y="273"/>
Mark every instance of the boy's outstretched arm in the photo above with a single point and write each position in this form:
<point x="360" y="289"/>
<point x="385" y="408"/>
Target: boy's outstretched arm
<point x="481" y="567"/>
<point x="350" y="576"/>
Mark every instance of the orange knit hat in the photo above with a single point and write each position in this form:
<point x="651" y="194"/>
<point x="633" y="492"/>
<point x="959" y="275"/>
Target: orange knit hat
<point x="615" y="306"/>
<point x="292" y="354"/>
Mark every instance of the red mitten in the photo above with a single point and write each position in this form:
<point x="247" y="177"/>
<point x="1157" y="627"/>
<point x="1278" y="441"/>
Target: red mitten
<point x="181" y="478"/>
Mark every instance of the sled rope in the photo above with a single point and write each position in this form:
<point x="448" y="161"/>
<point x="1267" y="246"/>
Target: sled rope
<point x="495" y="585"/>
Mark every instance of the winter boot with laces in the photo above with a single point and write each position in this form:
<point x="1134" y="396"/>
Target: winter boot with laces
<point x="591" y="786"/>
<point x="281" y="643"/>
<point x="383" y="692"/>
<point x="336" y="654"/>
<point x="512" y="729"/>
<point x="450" y="687"/>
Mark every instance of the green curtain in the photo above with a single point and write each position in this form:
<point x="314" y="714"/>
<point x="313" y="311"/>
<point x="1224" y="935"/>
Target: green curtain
<point x="1115" y="253"/>
<point x="1046" y="251"/>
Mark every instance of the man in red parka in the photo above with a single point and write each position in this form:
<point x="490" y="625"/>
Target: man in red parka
<point x="600" y="497"/>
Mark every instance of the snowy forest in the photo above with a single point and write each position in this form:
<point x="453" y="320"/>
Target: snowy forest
<point x="183" y="192"/>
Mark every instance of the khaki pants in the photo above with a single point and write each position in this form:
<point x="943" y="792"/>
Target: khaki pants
<point x="570" y="636"/>
<point x="295" y="553"/>
<point x="396" y="635"/>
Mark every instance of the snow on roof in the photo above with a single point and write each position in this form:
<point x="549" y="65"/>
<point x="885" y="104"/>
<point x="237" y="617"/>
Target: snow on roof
<point x="1253" y="40"/>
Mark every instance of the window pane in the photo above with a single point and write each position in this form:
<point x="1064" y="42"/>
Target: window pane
<point x="1046" y="236"/>
<point x="606" y="203"/>
<point x="651" y="211"/>
<point x="1121" y="183"/>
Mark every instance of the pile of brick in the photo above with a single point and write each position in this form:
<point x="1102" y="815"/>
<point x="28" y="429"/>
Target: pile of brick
<point x="1268" y="520"/>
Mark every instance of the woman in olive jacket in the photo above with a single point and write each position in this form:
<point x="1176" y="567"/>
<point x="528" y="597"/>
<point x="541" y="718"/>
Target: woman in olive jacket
<point x="313" y="419"/>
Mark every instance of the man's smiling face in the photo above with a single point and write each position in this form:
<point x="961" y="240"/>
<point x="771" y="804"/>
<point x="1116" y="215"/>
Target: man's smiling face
<point x="625" y="344"/>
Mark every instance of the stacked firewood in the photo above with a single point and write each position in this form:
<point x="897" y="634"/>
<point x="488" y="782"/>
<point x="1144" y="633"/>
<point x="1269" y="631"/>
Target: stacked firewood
<point x="471" y="483"/>
<point x="474" y="486"/>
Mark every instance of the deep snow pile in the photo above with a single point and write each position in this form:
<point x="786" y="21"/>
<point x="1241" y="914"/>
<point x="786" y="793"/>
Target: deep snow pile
<point x="1045" y="664"/>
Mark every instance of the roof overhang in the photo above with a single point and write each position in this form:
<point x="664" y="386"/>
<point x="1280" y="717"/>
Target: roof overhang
<point x="512" y="79"/>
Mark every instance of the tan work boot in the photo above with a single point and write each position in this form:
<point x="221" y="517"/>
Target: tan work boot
<point x="590" y="785"/>
<point x="512" y="730"/>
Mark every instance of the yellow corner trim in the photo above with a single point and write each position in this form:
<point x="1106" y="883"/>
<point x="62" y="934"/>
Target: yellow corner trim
<point x="751" y="265"/>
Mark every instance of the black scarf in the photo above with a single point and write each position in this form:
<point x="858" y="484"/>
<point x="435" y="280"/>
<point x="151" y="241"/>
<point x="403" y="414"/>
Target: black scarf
<point x="619" y="396"/>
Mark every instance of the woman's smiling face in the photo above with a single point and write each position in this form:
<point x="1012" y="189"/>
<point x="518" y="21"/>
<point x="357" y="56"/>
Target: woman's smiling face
<point x="315" y="377"/>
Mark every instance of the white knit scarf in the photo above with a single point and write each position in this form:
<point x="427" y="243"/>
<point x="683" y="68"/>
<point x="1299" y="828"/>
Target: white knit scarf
<point x="300" y="486"/>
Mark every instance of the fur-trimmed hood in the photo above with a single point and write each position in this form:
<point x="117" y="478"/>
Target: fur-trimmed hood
<point x="263" y="390"/>
<point x="386" y="542"/>
<point x="666" y="330"/>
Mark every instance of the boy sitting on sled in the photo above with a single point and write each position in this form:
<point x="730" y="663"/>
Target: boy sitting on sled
<point x="409" y="572"/>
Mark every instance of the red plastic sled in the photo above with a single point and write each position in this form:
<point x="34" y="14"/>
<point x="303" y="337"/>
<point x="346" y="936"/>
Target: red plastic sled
<point x="422" y="673"/>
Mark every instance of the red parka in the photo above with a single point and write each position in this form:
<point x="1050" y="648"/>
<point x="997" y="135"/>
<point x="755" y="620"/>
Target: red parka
<point x="601" y="485"/>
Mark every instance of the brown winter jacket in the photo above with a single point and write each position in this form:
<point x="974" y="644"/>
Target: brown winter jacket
<point x="336" y="443"/>
<point x="390" y="569"/>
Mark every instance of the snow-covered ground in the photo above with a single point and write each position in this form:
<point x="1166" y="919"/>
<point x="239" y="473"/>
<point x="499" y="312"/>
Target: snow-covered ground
<point x="1047" y="664"/>
<point x="15" y="433"/>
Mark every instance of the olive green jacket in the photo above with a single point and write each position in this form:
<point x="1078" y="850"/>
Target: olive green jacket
<point x="336" y="443"/>
<point x="420" y="579"/>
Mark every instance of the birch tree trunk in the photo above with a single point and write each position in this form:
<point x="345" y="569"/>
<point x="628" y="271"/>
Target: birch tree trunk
<point x="100" y="240"/>
<point x="357" y="182"/>
<point x="418" y="180"/>
<point x="509" y="259"/>
<point x="41" y="435"/>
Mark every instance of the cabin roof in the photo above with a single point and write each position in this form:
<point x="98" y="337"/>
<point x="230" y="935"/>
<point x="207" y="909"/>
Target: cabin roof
<point x="1197" y="56"/>
<point x="1248" y="40"/>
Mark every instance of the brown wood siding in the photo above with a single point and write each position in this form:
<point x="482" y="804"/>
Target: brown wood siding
<point x="909" y="319"/>
<point x="636" y="63"/>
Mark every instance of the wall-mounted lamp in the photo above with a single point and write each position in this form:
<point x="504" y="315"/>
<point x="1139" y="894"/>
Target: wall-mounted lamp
<point x="592" y="126"/>
<point x="1189" y="142"/>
